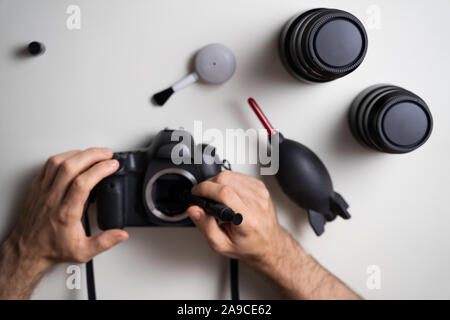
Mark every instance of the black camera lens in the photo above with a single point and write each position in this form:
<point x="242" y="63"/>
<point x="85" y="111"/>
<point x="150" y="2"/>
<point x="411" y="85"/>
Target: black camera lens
<point x="167" y="191"/>
<point x="322" y="45"/>
<point x="390" y="119"/>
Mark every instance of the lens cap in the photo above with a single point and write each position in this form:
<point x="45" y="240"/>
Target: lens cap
<point x="338" y="43"/>
<point x="390" y="119"/>
<point x="322" y="45"/>
<point x="405" y="124"/>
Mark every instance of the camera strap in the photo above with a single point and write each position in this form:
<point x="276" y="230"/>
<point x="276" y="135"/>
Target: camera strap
<point x="90" y="281"/>
<point x="234" y="263"/>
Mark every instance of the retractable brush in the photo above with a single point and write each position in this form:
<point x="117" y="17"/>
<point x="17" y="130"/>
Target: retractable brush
<point x="304" y="178"/>
<point x="213" y="208"/>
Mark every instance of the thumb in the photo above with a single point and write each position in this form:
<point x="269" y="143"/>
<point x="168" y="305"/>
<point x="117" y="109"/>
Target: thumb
<point x="208" y="226"/>
<point x="105" y="241"/>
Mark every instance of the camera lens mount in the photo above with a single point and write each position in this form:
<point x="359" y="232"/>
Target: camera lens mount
<point x="162" y="193"/>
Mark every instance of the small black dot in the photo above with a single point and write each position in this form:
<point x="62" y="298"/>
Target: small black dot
<point x="112" y="185"/>
<point x="36" y="48"/>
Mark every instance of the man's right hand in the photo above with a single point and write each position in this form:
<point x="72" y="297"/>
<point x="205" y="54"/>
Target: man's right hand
<point x="258" y="239"/>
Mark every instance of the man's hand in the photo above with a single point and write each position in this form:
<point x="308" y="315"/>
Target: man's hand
<point x="50" y="230"/>
<point x="253" y="241"/>
<point x="260" y="241"/>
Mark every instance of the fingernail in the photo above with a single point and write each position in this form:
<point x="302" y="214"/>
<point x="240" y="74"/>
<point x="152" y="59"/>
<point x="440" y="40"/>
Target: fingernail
<point x="107" y="151"/>
<point x="113" y="163"/>
<point x="123" y="237"/>
<point x="196" y="215"/>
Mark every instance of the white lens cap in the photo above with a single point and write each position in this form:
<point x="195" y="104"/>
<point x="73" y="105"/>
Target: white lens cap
<point x="215" y="63"/>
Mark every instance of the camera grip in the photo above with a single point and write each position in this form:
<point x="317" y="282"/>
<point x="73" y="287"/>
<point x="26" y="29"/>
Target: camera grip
<point x="110" y="203"/>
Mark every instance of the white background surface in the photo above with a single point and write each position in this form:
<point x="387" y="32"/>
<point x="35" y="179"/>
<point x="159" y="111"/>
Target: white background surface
<point x="92" y="88"/>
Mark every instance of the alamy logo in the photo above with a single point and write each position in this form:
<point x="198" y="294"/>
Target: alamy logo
<point x="374" y="280"/>
<point x="374" y="19"/>
<point x="73" y="21"/>
<point x="73" y="281"/>
<point x="237" y="146"/>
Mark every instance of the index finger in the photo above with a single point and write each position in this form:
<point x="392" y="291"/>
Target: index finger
<point x="220" y="193"/>
<point x="246" y="187"/>
<point x="75" y="165"/>
<point x="81" y="187"/>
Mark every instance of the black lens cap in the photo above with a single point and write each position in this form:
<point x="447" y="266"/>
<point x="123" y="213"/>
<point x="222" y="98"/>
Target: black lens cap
<point x="322" y="45"/>
<point x="338" y="43"/>
<point x="390" y="119"/>
<point x="405" y="124"/>
<point x="335" y="43"/>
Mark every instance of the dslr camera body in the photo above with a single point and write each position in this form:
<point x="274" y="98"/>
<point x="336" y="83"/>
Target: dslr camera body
<point x="146" y="189"/>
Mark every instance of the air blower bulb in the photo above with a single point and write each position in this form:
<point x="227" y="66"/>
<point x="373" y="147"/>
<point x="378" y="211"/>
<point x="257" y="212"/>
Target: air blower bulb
<point x="304" y="178"/>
